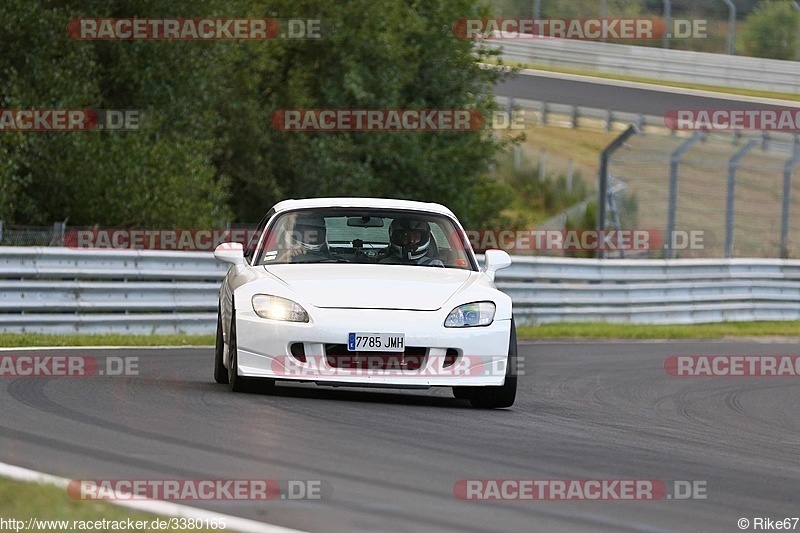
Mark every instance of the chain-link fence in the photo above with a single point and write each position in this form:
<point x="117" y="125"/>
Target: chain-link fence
<point x="709" y="195"/>
<point x="11" y="235"/>
<point x="187" y="239"/>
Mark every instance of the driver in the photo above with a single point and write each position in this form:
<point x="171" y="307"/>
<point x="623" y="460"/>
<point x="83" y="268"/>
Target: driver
<point x="307" y="238"/>
<point x="409" y="243"/>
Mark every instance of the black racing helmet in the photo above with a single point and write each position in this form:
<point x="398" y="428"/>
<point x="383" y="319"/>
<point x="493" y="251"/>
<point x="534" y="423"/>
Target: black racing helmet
<point x="410" y="239"/>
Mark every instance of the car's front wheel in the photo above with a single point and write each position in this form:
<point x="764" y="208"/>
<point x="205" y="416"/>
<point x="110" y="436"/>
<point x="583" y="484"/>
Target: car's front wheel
<point x="505" y="394"/>
<point x="220" y="372"/>
<point x="236" y="382"/>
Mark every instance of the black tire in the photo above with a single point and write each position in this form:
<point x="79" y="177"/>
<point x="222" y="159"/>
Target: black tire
<point x="236" y="382"/>
<point x="220" y="372"/>
<point x="239" y="383"/>
<point x="505" y="394"/>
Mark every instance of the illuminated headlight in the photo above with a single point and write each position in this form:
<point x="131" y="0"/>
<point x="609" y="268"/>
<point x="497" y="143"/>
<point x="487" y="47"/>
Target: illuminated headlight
<point x="276" y="308"/>
<point x="468" y="315"/>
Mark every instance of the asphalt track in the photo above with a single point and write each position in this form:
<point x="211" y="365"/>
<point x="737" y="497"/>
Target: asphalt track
<point x="584" y="411"/>
<point x="596" y="93"/>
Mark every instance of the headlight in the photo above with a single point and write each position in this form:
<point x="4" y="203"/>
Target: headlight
<point x="467" y="315"/>
<point x="276" y="308"/>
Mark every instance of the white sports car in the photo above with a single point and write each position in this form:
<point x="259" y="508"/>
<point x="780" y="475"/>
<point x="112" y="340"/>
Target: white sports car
<point x="365" y="292"/>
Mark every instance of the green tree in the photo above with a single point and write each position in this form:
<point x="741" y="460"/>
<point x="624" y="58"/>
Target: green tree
<point x="207" y="150"/>
<point x="771" y="30"/>
<point x="378" y="54"/>
<point x="161" y="175"/>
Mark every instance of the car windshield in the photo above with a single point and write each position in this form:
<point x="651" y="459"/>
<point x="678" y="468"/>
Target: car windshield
<point x="365" y="236"/>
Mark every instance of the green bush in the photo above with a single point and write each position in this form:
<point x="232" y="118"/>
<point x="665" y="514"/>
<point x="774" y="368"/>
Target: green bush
<point x="771" y="30"/>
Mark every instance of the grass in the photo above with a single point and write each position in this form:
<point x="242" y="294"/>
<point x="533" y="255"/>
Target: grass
<point x="23" y="500"/>
<point x="600" y="330"/>
<point x="17" y="340"/>
<point x="586" y="330"/>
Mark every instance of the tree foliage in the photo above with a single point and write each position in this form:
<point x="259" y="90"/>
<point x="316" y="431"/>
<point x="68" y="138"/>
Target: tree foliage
<point x="206" y="152"/>
<point x="772" y="30"/>
<point x="161" y="175"/>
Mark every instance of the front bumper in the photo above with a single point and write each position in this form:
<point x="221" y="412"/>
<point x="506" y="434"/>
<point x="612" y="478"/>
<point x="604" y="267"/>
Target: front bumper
<point x="264" y="348"/>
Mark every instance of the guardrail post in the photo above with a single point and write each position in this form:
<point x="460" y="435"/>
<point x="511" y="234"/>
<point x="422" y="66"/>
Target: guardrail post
<point x="544" y="111"/>
<point x="605" y="157"/>
<point x="674" y="162"/>
<point x="574" y="115"/>
<point x="788" y="169"/>
<point x="730" y="204"/>
<point x="58" y="234"/>
<point x="609" y="120"/>
<point x="731" y="26"/>
<point x="667" y="22"/>
<point x="640" y="122"/>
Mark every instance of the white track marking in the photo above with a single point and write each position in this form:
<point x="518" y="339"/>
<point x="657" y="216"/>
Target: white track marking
<point x="232" y="523"/>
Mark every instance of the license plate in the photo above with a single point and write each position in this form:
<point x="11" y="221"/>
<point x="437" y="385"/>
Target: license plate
<point x="376" y="342"/>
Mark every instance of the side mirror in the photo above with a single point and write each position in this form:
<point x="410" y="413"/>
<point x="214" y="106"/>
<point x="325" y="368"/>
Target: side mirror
<point x="496" y="260"/>
<point x="230" y="252"/>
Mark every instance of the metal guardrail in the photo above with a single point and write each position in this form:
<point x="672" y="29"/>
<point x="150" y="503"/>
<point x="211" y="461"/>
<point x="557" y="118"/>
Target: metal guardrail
<point x="675" y="65"/>
<point x="683" y="291"/>
<point x="65" y="263"/>
<point x="576" y="115"/>
<point x="58" y="290"/>
<point x="62" y="290"/>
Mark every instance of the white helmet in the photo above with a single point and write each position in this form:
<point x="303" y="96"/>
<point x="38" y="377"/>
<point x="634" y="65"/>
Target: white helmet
<point x="410" y="239"/>
<point x="309" y="232"/>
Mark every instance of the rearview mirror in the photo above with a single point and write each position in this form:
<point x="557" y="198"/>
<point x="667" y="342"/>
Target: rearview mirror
<point x="365" y="222"/>
<point x="496" y="260"/>
<point x="230" y="252"/>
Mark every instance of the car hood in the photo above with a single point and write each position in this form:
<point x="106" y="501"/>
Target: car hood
<point x="351" y="286"/>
